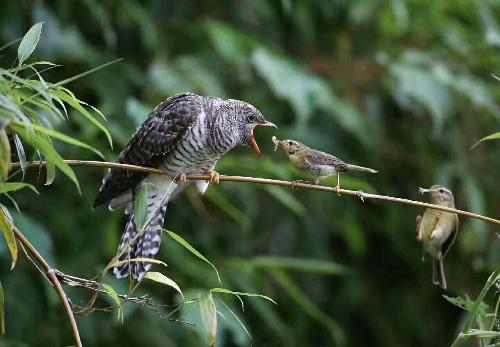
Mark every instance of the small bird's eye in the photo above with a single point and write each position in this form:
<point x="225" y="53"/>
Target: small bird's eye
<point x="290" y="143"/>
<point x="441" y="190"/>
<point x="251" y="118"/>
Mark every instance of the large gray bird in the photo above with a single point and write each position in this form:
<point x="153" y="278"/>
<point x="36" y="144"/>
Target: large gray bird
<point x="186" y="134"/>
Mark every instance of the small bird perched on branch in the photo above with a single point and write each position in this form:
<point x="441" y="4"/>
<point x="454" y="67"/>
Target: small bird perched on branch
<point x="185" y="134"/>
<point x="318" y="164"/>
<point x="437" y="230"/>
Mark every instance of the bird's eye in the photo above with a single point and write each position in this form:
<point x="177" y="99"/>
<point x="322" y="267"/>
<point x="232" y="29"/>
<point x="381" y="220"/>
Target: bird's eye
<point x="290" y="143"/>
<point x="251" y="118"/>
<point x="441" y="190"/>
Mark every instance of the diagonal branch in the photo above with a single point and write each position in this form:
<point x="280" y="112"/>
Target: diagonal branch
<point x="257" y="180"/>
<point x="51" y="275"/>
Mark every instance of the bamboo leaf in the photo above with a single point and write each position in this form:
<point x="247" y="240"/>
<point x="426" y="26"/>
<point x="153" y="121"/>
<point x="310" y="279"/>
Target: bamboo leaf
<point x="227" y="291"/>
<point x="190" y="248"/>
<point x="29" y="42"/>
<point x="236" y="318"/>
<point x="300" y="264"/>
<point x="112" y="293"/>
<point x="4" y="155"/>
<point x="141" y="206"/>
<point x="208" y="316"/>
<point x="161" y="278"/>
<point x="20" y="153"/>
<point x="75" y="103"/>
<point x="13" y="186"/>
<point x="139" y="260"/>
<point x="63" y="137"/>
<point x="495" y="136"/>
<point x="48" y="151"/>
<point x="8" y="234"/>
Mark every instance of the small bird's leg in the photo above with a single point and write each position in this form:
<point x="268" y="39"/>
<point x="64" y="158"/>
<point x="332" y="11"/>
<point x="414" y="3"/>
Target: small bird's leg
<point x="214" y="177"/>
<point x="360" y="194"/>
<point x="338" y="183"/>
<point x="181" y="178"/>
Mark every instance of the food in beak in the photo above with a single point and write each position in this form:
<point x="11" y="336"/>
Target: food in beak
<point x="276" y="143"/>
<point x="253" y="142"/>
<point x="423" y="190"/>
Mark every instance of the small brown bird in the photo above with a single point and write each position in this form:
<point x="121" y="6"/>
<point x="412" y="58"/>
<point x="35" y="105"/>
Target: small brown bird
<point x="437" y="230"/>
<point x="316" y="163"/>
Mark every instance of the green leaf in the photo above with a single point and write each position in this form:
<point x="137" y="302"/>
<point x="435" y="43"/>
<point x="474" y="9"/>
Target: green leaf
<point x="62" y="137"/>
<point x="190" y="248"/>
<point x="161" y="278"/>
<point x="29" y="42"/>
<point x="48" y="151"/>
<point x="76" y="104"/>
<point x="8" y="234"/>
<point x="236" y="318"/>
<point x="112" y="293"/>
<point x="4" y="155"/>
<point x="227" y="291"/>
<point x="141" y="206"/>
<point x="300" y="264"/>
<point x="12" y="186"/>
<point x="2" y="311"/>
<point x="495" y="136"/>
<point x="208" y="316"/>
<point x="20" y="153"/>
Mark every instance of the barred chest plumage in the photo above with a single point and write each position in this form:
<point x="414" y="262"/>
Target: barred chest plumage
<point x="199" y="149"/>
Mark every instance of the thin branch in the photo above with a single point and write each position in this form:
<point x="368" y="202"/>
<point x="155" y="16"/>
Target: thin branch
<point x="243" y="179"/>
<point x="53" y="280"/>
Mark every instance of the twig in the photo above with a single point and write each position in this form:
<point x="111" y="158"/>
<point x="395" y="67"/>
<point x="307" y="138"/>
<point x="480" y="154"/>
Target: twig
<point x="267" y="181"/>
<point x="53" y="280"/>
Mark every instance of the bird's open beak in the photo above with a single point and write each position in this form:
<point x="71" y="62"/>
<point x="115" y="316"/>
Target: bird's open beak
<point x="423" y="190"/>
<point x="254" y="144"/>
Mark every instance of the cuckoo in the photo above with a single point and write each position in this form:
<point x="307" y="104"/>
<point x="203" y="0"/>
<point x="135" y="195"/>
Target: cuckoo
<point x="185" y="134"/>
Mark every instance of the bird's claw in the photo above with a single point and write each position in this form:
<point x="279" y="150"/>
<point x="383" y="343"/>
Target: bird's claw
<point x="360" y="194"/>
<point x="214" y="177"/>
<point x="181" y="178"/>
<point x="295" y="182"/>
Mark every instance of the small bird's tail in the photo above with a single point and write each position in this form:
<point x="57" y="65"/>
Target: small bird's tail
<point x="360" y="168"/>
<point x="438" y="277"/>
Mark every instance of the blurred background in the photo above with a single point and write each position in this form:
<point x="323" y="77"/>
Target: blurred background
<point x="404" y="87"/>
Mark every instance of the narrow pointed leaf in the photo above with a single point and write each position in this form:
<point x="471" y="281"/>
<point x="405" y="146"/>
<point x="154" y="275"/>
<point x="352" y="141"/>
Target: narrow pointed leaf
<point x="495" y="136"/>
<point x="48" y="151"/>
<point x="161" y="278"/>
<point x="13" y="186"/>
<point x="4" y="155"/>
<point x="208" y="316"/>
<point x="190" y="248"/>
<point x="29" y="42"/>
<point x="63" y="137"/>
<point x="141" y="206"/>
<point x="227" y="291"/>
<point x="8" y="234"/>
<point x="20" y="153"/>
<point x="112" y="293"/>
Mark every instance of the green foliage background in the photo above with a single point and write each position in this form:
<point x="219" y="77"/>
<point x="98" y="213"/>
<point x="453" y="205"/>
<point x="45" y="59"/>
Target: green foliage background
<point x="404" y="87"/>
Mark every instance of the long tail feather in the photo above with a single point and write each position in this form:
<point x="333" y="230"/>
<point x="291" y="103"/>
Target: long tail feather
<point x="360" y="168"/>
<point x="438" y="276"/>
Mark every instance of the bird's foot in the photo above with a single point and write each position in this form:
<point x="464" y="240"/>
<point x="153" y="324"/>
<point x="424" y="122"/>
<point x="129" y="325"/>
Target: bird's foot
<point x="360" y="194"/>
<point x="214" y="177"/>
<point x="296" y="182"/>
<point x="337" y="189"/>
<point x="181" y="178"/>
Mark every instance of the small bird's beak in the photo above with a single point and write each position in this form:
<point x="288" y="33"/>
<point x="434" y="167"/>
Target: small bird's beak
<point x="423" y="190"/>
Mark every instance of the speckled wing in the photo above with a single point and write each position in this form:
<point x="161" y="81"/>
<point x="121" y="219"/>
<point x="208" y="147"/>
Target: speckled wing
<point x="321" y="158"/>
<point x="152" y="142"/>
